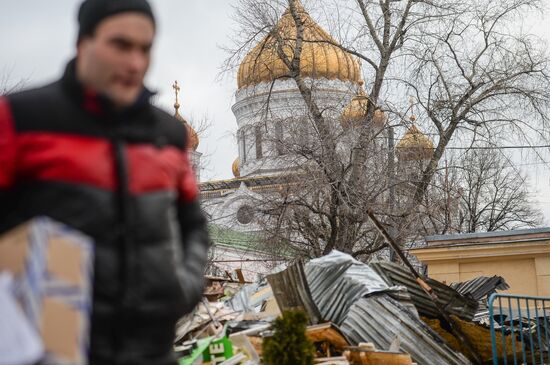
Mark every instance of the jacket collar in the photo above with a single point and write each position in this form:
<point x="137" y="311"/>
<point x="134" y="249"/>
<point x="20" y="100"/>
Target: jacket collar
<point x="95" y="103"/>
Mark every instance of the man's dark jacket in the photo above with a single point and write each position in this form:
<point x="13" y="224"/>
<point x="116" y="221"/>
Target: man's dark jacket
<point x="123" y="178"/>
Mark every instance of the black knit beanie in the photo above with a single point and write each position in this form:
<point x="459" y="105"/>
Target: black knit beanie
<point x="92" y="12"/>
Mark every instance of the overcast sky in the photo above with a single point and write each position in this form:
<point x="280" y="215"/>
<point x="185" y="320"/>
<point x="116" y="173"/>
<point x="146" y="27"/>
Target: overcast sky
<point x="37" y="38"/>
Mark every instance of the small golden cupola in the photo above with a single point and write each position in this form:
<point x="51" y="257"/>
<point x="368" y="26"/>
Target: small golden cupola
<point x="235" y="167"/>
<point x="415" y="145"/>
<point x="191" y="133"/>
<point x="355" y="113"/>
<point x="320" y="58"/>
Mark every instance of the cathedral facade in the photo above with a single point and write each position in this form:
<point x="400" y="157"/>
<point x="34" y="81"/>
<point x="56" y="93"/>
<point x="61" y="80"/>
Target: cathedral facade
<point x="269" y="108"/>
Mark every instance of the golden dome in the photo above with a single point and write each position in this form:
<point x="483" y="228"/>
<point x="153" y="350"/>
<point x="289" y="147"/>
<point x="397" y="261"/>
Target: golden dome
<point x="355" y="113"/>
<point x="236" y="168"/>
<point x="319" y="59"/>
<point x="193" y="141"/>
<point x="414" y="146"/>
<point x="193" y="137"/>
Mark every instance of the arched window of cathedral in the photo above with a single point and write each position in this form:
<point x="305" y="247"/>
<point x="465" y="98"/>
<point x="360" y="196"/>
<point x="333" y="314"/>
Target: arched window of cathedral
<point x="258" y="137"/>
<point x="245" y="214"/>
<point x="279" y="138"/>
<point x="243" y="144"/>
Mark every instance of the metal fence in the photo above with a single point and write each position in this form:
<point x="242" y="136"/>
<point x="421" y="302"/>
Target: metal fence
<point x="520" y="329"/>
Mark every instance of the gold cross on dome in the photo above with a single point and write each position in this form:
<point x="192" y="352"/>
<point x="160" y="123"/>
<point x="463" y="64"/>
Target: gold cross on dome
<point x="176" y="88"/>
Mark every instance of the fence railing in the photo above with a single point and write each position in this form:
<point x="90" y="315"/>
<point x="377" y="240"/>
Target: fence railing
<point x="520" y="329"/>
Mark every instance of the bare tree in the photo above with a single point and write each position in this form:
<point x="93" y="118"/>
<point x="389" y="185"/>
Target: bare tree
<point x="7" y="86"/>
<point x="480" y="191"/>
<point x="473" y="75"/>
<point x="477" y="77"/>
<point x="306" y="212"/>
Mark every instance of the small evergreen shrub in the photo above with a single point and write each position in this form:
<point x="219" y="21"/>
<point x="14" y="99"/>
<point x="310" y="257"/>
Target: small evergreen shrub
<point x="289" y="344"/>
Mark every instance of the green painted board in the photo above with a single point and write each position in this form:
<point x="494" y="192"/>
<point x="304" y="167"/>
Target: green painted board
<point x="218" y="351"/>
<point x="197" y="356"/>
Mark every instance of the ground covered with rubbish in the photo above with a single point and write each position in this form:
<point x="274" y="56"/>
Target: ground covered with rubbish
<point x="352" y="313"/>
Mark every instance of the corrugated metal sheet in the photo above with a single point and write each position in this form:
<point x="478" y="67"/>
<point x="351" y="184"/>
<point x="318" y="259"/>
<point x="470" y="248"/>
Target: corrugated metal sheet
<point x="480" y="287"/>
<point x="454" y="302"/>
<point x="337" y="281"/>
<point x="380" y="319"/>
<point x="241" y="300"/>
<point x="291" y="290"/>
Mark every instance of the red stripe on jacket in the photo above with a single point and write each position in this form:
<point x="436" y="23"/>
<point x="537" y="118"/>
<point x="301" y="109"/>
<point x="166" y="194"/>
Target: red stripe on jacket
<point x="90" y="161"/>
<point x="66" y="158"/>
<point x="153" y="168"/>
<point x="7" y="145"/>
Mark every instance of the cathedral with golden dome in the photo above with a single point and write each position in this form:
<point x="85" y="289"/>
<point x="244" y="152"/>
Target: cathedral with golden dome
<point x="269" y="105"/>
<point x="269" y="108"/>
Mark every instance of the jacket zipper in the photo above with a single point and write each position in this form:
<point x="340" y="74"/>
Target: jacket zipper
<point x="126" y="251"/>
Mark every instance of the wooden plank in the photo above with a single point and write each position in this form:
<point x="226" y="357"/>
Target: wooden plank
<point x="240" y="276"/>
<point x="326" y="332"/>
<point x="360" y="357"/>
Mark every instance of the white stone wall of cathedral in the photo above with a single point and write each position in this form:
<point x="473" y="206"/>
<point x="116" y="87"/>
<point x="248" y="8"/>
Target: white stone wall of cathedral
<point x="195" y="158"/>
<point x="285" y="102"/>
<point x="223" y="211"/>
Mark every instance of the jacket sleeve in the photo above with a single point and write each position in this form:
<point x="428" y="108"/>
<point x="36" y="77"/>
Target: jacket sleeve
<point x="7" y="155"/>
<point x="194" y="238"/>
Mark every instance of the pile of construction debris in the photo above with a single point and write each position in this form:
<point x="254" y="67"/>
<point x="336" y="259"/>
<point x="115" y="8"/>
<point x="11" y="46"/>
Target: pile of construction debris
<point x="358" y="314"/>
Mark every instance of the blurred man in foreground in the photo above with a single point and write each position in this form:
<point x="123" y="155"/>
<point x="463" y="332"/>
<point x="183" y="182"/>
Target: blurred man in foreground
<point x="90" y="151"/>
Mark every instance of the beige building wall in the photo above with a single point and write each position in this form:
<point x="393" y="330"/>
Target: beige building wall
<point x="542" y="267"/>
<point x="523" y="261"/>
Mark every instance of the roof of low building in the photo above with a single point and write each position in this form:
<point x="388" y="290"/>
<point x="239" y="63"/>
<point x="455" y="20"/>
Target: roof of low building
<point x="513" y="236"/>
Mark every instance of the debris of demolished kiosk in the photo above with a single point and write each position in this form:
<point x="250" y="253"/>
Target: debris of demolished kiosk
<point x="358" y="313"/>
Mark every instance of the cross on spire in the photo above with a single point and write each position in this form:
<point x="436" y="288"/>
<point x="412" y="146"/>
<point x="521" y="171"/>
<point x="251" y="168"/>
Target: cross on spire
<point x="176" y="88"/>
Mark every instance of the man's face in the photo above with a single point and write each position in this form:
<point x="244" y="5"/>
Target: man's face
<point x="113" y="61"/>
